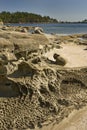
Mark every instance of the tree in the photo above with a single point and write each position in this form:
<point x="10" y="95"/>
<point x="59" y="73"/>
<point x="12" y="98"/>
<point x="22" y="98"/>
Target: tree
<point x="24" y="17"/>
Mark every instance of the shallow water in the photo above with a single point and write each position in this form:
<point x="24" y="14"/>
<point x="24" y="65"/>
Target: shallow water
<point x="60" y="28"/>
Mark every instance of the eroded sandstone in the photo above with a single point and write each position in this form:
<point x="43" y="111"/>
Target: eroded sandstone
<point x="35" y="91"/>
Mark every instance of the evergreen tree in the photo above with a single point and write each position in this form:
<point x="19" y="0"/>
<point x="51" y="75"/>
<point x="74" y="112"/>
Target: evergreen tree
<point x="25" y="17"/>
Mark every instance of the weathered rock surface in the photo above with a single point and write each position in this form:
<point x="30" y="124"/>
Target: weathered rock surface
<point x="33" y="91"/>
<point x="38" y="30"/>
<point x="59" y="60"/>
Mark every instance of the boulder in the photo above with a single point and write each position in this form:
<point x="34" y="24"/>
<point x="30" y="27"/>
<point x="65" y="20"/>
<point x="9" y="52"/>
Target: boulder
<point x="38" y="30"/>
<point x="59" y="60"/>
<point x="24" y="30"/>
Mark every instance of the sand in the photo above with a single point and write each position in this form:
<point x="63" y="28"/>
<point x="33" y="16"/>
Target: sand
<point x="75" y="55"/>
<point x="77" y="120"/>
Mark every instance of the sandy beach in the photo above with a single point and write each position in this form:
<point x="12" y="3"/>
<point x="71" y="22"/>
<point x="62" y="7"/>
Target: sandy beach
<point x="75" y="55"/>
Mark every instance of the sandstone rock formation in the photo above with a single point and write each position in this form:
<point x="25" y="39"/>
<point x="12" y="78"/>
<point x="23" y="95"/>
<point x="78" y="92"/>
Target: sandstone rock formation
<point x="34" y="92"/>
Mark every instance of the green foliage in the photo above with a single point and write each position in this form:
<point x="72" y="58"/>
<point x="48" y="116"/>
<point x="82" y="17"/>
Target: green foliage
<point x="0" y="20"/>
<point x="84" y="21"/>
<point x="25" y="17"/>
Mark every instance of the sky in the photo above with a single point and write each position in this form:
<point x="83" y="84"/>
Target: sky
<point x="62" y="10"/>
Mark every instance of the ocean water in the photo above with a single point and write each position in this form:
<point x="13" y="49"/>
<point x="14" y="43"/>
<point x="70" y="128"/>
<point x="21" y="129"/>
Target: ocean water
<point x="60" y="28"/>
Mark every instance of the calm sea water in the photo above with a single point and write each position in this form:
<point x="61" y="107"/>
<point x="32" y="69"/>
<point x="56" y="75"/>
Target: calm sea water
<point x="60" y="28"/>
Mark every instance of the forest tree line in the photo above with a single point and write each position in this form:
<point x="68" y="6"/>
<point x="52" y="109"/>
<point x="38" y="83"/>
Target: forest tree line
<point x="24" y="17"/>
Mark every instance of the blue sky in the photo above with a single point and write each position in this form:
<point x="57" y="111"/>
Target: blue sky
<point x="67" y="10"/>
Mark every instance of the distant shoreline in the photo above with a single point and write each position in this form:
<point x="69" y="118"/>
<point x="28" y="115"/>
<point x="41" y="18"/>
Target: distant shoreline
<point x="48" y="23"/>
<point x="56" y="28"/>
